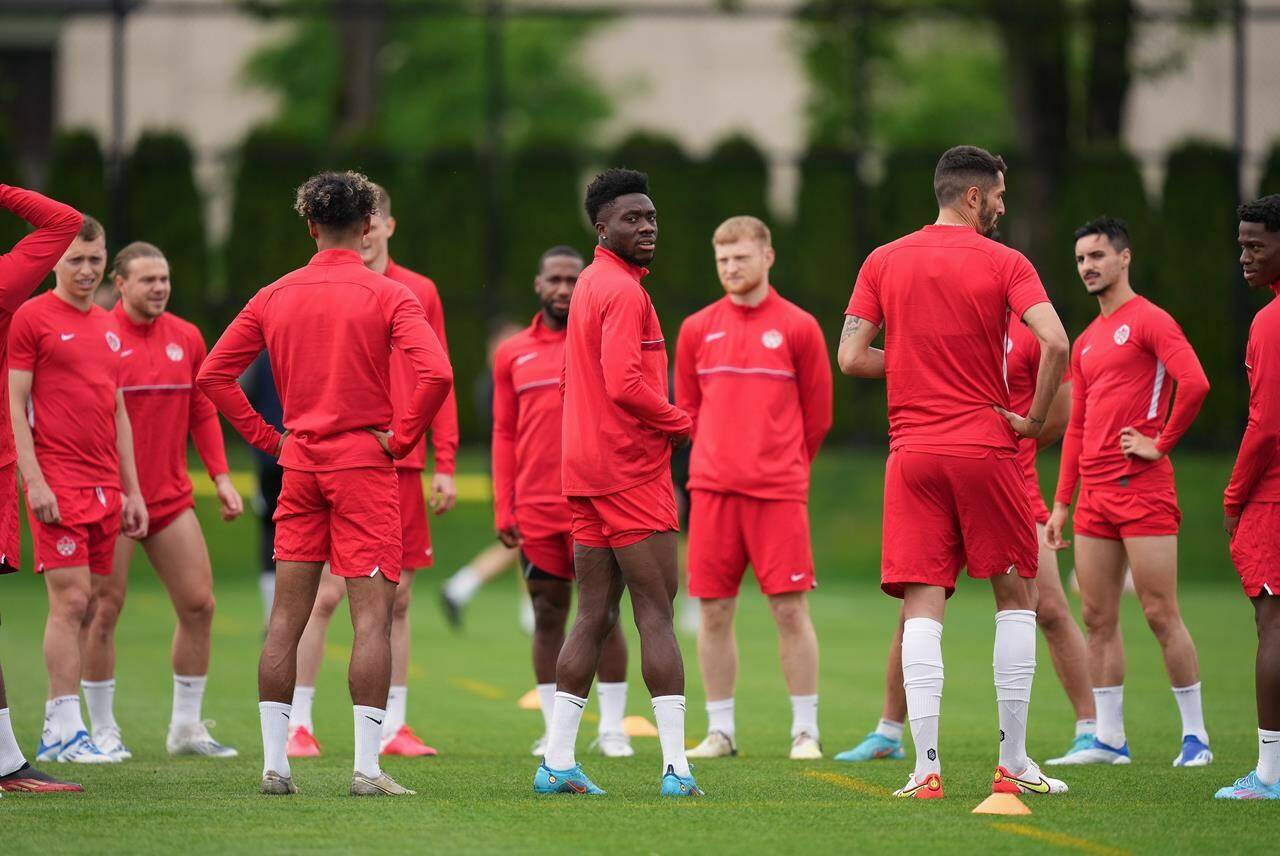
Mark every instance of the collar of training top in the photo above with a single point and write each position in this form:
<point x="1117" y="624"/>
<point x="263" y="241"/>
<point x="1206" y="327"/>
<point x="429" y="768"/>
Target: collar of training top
<point x="542" y="331"/>
<point x="336" y="257"/>
<point x="607" y="255"/>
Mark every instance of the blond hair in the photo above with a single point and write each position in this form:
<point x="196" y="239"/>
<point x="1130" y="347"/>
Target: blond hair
<point x="136" y="250"/>
<point x="744" y="227"/>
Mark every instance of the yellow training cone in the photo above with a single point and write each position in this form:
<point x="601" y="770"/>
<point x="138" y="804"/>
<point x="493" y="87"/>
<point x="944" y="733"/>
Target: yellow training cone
<point x="529" y="701"/>
<point x="638" y="726"/>
<point x="1002" y="804"/>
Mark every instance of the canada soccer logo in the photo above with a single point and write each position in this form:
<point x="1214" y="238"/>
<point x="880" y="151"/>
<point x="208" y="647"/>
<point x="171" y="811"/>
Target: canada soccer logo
<point x="113" y="341"/>
<point x="771" y="339"/>
<point x="173" y="351"/>
<point x="66" y="546"/>
<point x="1122" y="334"/>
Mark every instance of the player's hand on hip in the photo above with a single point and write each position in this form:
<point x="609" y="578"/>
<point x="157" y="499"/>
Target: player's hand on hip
<point x="510" y="536"/>
<point x="1135" y="444"/>
<point x="1053" y="529"/>
<point x="280" y="445"/>
<point x="228" y="497"/>
<point x="444" y="492"/>
<point x="384" y="439"/>
<point x="133" y="516"/>
<point x="43" y="504"/>
<point x="1230" y="524"/>
<point x="1023" y="426"/>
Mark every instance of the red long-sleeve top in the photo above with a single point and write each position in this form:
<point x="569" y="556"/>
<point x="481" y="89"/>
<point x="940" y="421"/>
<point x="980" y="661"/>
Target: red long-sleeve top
<point x="1256" y="475"/>
<point x="21" y="271"/>
<point x="756" y="382"/>
<point x="527" y="411"/>
<point x="444" y="428"/>
<point x="158" y="366"/>
<point x="1122" y="366"/>
<point x="618" y="423"/>
<point x="328" y="329"/>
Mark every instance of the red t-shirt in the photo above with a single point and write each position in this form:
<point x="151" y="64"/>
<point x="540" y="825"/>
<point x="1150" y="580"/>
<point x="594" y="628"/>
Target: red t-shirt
<point x="444" y="428"/>
<point x="158" y="366"/>
<point x="1122" y="371"/>
<point x="328" y="329"/>
<point x="527" y="411"/>
<point x="756" y="381"/>
<point x="1022" y="371"/>
<point x="618" y="423"/>
<point x="1256" y="475"/>
<point x="943" y="295"/>
<point x="21" y="271"/>
<point x="74" y="358"/>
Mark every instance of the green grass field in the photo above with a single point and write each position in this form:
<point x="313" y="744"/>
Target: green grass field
<point x="476" y="796"/>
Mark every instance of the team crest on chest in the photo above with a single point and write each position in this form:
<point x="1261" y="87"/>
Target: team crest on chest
<point x="1122" y="334"/>
<point x="113" y="341"/>
<point x="771" y="339"/>
<point x="173" y="351"/>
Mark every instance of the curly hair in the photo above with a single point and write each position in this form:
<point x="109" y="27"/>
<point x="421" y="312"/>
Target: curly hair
<point x="1265" y="210"/>
<point x="611" y="184"/>
<point x="336" y="199"/>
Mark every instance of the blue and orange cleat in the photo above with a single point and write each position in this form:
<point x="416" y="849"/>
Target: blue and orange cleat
<point x="573" y="781"/>
<point x="874" y="747"/>
<point x="929" y="789"/>
<point x="1249" y="788"/>
<point x="1194" y="753"/>
<point x="680" y="786"/>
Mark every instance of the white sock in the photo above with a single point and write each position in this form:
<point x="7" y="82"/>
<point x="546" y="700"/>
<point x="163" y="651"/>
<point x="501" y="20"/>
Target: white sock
<point x="463" y="585"/>
<point x="547" y="701"/>
<point x="368" y="739"/>
<point x="275" y="737"/>
<point x="397" y="703"/>
<point x="11" y="757"/>
<point x="188" y="694"/>
<point x="720" y="716"/>
<point x="100" y="697"/>
<point x="890" y="729"/>
<point x="301" y="716"/>
<point x="267" y="589"/>
<point x="1109" y="702"/>
<point x="1188" y="699"/>
<point x="613" y="704"/>
<point x="1268" y="756"/>
<point x="62" y="719"/>
<point x="1086" y="726"/>
<point x="804" y="715"/>
<point x="1014" y="666"/>
<point x="922" y="679"/>
<point x="668" y="712"/>
<point x="562" y="736"/>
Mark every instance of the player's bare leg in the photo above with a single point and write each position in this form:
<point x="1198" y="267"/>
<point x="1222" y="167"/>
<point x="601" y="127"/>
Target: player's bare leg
<point x="369" y="677"/>
<point x="98" y="650"/>
<point x="798" y="651"/>
<point x="397" y="737"/>
<point x="718" y="660"/>
<point x="65" y="737"/>
<point x="15" y="773"/>
<point x="1067" y="646"/>
<point x="302" y="741"/>
<point x="463" y="585"/>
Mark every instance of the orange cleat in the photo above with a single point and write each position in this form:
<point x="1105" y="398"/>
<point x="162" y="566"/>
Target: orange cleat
<point x="302" y="743"/>
<point x="405" y="742"/>
<point x="929" y="789"/>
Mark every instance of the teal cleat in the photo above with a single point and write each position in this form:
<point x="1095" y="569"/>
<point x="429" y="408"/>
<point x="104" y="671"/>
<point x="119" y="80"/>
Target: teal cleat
<point x="873" y="747"/>
<point x="680" y="786"/>
<point x="1080" y="744"/>
<point x="1249" y="788"/>
<point x="574" y="781"/>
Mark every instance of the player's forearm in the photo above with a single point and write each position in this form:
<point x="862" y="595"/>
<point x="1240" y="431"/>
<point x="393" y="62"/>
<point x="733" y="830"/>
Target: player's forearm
<point x="444" y="434"/>
<point x="1055" y="424"/>
<point x="206" y="433"/>
<point x="1190" y="393"/>
<point x="1257" y="451"/>
<point x="428" y="396"/>
<point x="22" y="269"/>
<point x="504" y="468"/>
<point x="645" y="404"/>
<point x="1069" y="468"/>
<point x="25" y="448"/>
<point x="1053" y="363"/>
<point x="124" y="448"/>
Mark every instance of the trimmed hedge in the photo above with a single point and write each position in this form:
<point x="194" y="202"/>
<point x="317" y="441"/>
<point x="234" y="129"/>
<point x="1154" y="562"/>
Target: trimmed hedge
<point x="12" y="228"/>
<point x="78" y="177"/>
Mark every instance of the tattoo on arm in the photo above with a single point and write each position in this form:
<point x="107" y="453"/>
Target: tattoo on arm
<point x="851" y="325"/>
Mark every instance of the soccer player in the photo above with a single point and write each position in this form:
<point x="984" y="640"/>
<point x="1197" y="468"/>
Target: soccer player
<point x="260" y="389"/>
<point x="618" y="431"/>
<point x="753" y="374"/>
<point x="397" y="737"/>
<point x="160" y="355"/>
<point x="530" y="510"/>
<point x="1251" y="504"/>
<point x="328" y="329"/>
<point x="21" y="271"/>
<point x="1123" y="367"/>
<point x="75" y="453"/>
<point x="954" y="492"/>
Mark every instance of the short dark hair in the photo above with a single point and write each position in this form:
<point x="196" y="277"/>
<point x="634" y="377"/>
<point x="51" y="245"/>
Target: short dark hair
<point x="1114" y="229"/>
<point x="558" y="251"/>
<point x="381" y="199"/>
<point x="337" y="199"/>
<point x="1264" y="210"/>
<point x="962" y="167"/>
<point x="611" y="184"/>
<point x="91" y="229"/>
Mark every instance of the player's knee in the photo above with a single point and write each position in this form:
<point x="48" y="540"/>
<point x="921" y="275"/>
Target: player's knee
<point x="1051" y="615"/>
<point x="1162" y="618"/>
<point x="104" y="610"/>
<point x="792" y="617"/>
<point x="198" y="611"/>
<point x="73" y="606"/>
<point x="400" y="607"/>
<point x="326" y="602"/>
<point x="1100" y="620"/>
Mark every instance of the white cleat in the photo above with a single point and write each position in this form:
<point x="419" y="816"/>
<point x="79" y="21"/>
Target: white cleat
<point x="717" y="744"/>
<point x="805" y="747"/>
<point x="380" y="785"/>
<point x="194" y="739"/>
<point x="613" y="744"/>
<point x="275" y="784"/>
<point x="1029" y="781"/>
<point x="80" y="749"/>
<point x="110" y="742"/>
<point x="540" y="746"/>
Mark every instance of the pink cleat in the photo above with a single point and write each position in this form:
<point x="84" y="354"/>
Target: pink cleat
<point x="405" y="742"/>
<point x="302" y="743"/>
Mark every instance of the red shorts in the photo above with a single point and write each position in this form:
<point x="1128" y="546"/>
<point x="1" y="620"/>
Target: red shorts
<point x="944" y="513"/>
<point x="348" y="518"/>
<point x="626" y="517"/>
<point x="1118" y="514"/>
<point x="162" y="514"/>
<point x="10" y="534"/>
<point x="1031" y="478"/>
<point x="729" y="531"/>
<point x="86" y="535"/>
<point x="548" y="541"/>
<point x="1255" y="548"/>
<point x="416" y="533"/>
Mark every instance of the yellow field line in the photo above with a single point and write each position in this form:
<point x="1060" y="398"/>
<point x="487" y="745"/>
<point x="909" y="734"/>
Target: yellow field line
<point x="472" y="487"/>
<point x="479" y="688"/>
<point x="1058" y="838"/>
<point x="849" y="783"/>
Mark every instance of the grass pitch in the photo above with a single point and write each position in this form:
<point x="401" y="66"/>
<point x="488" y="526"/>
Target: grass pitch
<point x="476" y="796"/>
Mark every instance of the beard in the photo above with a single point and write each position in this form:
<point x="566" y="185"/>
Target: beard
<point x="986" y="220"/>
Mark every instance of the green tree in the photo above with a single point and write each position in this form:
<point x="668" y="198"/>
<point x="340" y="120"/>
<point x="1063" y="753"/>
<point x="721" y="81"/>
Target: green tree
<point x="12" y="228"/>
<point x="543" y="208"/>
<point x="78" y="177"/>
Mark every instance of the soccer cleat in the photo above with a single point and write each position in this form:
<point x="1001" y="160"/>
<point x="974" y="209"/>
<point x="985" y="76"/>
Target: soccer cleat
<point x="81" y="749"/>
<point x="805" y="747"/>
<point x="302" y="743"/>
<point x="1082" y="742"/>
<point x="680" y="786"/>
<point x="1029" y="781"/>
<point x="929" y="789"/>
<point x="1194" y="753"/>
<point x="194" y="739"/>
<point x="1095" y="752"/>
<point x="540" y="746"/>
<point x="873" y="747"/>
<point x="275" y="784"/>
<point x="405" y="742"/>
<point x="30" y="780"/>
<point x="572" y="781"/>
<point x="380" y="785"/>
<point x="110" y="741"/>
<point x="452" y="609"/>
<point x="716" y="744"/>
<point x="613" y="744"/>
<point x="1249" y="788"/>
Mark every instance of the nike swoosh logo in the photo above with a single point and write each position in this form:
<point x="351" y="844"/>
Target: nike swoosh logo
<point x="577" y="787"/>
<point x="1040" y="787"/>
<point x="524" y="358"/>
<point x="67" y="337"/>
<point x="285" y="715"/>
<point x="711" y="337"/>
<point x="374" y="721"/>
<point x="795" y="578"/>
<point x="1085" y="350"/>
<point x="126" y="353"/>
<point x="1269" y="742"/>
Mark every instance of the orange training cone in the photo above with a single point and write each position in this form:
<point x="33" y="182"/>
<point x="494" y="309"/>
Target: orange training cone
<point x="638" y="726"/>
<point x="1002" y="804"/>
<point x="530" y="701"/>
